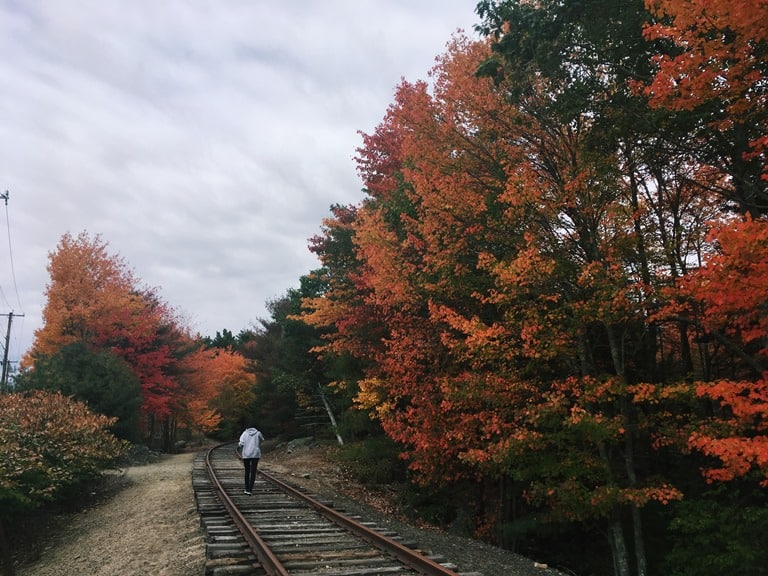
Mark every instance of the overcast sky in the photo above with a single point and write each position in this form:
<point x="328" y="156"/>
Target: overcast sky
<point x="204" y="140"/>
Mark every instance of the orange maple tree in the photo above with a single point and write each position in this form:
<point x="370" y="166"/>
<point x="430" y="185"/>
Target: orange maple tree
<point x="717" y="71"/>
<point x="725" y="299"/>
<point x="526" y="282"/>
<point x="484" y="259"/>
<point x="88" y="287"/>
<point x="216" y="384"/>
<point x="93" y="299"/>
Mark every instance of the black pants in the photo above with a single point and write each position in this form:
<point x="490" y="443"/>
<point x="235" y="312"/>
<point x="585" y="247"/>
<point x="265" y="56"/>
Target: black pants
<point x="251" y="464"/>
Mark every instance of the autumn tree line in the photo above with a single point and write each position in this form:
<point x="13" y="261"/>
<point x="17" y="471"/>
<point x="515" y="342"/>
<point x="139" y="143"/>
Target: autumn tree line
<point x="556" y="286"/>
<point x="114" y="367"/>
<point x="546" y="321"/>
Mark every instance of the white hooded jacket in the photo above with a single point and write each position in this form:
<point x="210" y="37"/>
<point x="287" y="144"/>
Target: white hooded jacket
<point x="250" y="441"/>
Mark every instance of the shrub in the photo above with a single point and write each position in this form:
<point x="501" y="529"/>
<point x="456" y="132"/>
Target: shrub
<point x="373" y="461"/>
<point x="48" y="443"/>
<point x="718" y="534"/>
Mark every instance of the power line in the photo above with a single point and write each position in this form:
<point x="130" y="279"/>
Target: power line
<point x="10" y="249"/>
<point x="2" y="292"/>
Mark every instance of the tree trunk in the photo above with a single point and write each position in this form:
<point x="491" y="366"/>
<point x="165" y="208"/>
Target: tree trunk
<point x="150" y="438"/>
<point x="685" y="349"/>
<point x="649" y="343"/>
<point x="330" y="415"/>
<point x="619" y="547"/>
<point x="506" y="512"/>
<point x="168" y="429"/>
<point x="640" y="556"/>
<point x="629" y="463"/>
<point x="583" y="350"/>
<point x="617" y="352"/>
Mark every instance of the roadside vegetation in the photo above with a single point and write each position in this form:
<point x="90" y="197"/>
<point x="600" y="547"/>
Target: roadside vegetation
<point x="50" y="447"/>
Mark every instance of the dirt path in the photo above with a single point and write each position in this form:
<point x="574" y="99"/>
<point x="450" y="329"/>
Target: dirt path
<point x="149" y="527"/>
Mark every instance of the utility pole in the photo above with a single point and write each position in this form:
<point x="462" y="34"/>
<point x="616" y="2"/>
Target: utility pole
<point x="6" y="363"/>
<point x="4" y="377"/>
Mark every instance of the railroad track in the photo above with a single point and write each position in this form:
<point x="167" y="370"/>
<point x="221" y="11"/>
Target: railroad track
<point x="281" y="530"/>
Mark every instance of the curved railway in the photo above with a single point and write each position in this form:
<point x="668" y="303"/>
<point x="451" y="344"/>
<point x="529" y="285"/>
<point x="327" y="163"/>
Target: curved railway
<point x="281" y="530"/>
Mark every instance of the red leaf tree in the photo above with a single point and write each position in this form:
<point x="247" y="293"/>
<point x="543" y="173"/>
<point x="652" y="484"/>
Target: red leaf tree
<point x="716" y="70"/>
<point x="94" y="299"/>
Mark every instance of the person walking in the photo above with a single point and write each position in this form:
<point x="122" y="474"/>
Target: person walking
<point x="249" y="451"/>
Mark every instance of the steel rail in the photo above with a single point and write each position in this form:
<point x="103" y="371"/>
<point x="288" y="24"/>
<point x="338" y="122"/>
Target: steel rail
<point x="268" y="560"/>
<point x="406" y="555"/>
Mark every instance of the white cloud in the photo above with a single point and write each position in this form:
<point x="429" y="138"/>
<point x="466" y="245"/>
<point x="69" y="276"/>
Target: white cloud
<point x="204" y="140"/>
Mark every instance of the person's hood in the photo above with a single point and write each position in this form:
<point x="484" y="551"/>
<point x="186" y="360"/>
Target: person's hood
<point x="252" y="431"/>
